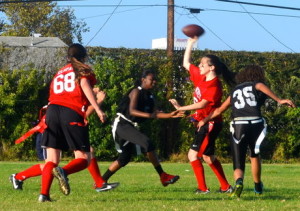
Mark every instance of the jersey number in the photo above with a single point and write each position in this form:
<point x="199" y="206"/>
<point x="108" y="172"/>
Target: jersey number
<point x="244" y="96"/>
<point x="64" y="83"/>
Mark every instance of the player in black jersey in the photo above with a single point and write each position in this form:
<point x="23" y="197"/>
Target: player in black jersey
<point x="137" y="106"/>
<point x="248" y="127"/>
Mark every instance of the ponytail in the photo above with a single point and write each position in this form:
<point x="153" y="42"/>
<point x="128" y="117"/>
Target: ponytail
<point x="76" y="56"/>
<point x="221" y="69"/>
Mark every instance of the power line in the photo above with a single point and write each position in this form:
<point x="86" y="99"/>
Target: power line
<point x="105" y="22"/>
<point x="214" y="33"/>
<point x="267" y="30"/>
<point x="260" y="5"/>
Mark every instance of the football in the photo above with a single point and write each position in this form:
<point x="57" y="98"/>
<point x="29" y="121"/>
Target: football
<point x="193" y="30"/>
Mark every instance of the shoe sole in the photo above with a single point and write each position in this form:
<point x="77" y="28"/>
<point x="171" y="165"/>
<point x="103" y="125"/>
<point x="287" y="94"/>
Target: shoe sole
<point x="237" y="191"/>
<point x="11" y="179"/>
<point x="63" y="183"/>
<point x="172" y="181"/>
<point x="109" y="186"/>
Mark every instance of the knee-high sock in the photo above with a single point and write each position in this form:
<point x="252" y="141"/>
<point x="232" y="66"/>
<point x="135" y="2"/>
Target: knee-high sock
<point x="47" y="178"/>
<point x="95" y="172"/>
<point x="218" y="170"/>
<point x="199" y="173"/>
<point x="75" y="165"/>
<point x="32" y="171"/>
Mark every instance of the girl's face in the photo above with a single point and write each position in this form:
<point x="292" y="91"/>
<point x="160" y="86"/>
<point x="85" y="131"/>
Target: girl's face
<point x="148" y="82"/>
<point x="204" y="66"/>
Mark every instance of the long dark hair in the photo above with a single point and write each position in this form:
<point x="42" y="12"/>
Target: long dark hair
<point x="76" y="56"/>
<point x="221" y="69"/>
<point x="251" y="73"/>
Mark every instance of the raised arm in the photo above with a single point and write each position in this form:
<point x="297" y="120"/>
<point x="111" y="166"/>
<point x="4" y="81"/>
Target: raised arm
<point x="263" y="88"/>
<point x="188" y="52"/>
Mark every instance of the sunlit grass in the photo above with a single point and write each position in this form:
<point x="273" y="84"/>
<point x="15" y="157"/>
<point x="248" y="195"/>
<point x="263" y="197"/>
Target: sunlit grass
<point x="141" y="189"/>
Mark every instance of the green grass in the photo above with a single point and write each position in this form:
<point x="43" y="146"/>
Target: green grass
<point x="140" y="189"/>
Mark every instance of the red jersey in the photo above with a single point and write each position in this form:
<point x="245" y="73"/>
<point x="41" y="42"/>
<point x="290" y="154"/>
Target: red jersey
<point x="65" y="91"/>
<point x="208" y="90"/>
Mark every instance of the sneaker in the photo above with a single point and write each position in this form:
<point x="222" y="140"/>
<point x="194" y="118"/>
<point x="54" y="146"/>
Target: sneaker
<point x="229" y="190"/>
<point x="237" y="191"/>
<point x="63" y="181"/>
<point x="44" y="198"/>
<point x="17" y="184"/>
<point x="258" y="188"/>
<point x="167" y="179"/>
<point x="198" y="191"/>
<point x="107" y="186"/>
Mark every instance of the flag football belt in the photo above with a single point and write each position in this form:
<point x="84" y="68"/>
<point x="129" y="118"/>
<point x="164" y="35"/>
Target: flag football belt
<point x="254" y="121"/>
<point x="114" y="128"/>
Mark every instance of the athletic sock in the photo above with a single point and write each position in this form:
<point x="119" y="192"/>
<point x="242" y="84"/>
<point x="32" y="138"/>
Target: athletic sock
<point x="107" y="175"/>
<point x="218" y="170"/>
<point x="239" y="181"/>
<point x="32" y="171"/>
<point x="258" y="186"/>
<point x="199" y="173"/>
<point x="95" y="172"/>
<point x="159" y="169"/>
<point x="47" y="177"/>
<point x="75" y="165"/>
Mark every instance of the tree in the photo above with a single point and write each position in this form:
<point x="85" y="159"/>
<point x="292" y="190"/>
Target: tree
<point x="45" y="18"/>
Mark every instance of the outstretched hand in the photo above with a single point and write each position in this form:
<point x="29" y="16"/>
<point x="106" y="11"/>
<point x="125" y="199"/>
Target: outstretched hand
<point x="289" y="103"/>
<point x="174" y="103"/>
<point x="177" y="114"/>
<point x="101" y="115"/>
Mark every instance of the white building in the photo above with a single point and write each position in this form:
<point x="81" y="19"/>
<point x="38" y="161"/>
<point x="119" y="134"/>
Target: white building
<point x="179" y="44"/>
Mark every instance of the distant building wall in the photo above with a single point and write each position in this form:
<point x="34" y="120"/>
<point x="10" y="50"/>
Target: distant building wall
<point x="179" y="44"/>
<point x="41" y="53"/>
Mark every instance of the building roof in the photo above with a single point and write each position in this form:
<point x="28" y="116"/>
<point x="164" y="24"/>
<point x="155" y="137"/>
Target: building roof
<point x="40" y="42"/>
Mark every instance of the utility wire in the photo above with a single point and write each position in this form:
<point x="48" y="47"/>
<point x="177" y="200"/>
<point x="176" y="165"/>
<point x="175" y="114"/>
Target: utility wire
<point x="105" y="22"/>
<point x="260" y="5"/>
<point x="267" y="30"/>
<point x="214" y="33"/>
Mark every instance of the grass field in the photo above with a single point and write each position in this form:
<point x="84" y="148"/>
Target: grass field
<point x="140" y="189"/>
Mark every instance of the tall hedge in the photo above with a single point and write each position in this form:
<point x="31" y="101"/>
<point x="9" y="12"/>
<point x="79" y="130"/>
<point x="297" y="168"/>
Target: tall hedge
<point x="116" y="71"/>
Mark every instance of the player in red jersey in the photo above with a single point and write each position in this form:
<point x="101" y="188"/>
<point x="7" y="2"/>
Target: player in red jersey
<point x="100" y="184"/>
<point x="248" y="128"/>
<point x="70" y="95"/>
<point x="207" y="96"/>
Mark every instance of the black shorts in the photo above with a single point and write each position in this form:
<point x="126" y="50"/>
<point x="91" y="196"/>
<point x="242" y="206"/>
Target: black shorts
<point x="245" y="136"/>
<point x="65" y="130"/>
<point x="127" y="133"/>
<point x="204" y="141"/>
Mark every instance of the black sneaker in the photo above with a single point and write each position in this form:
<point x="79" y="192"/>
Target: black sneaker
<point x="229" y="190"/>
<point x="107" y="186"/>
<point x="258" y="188"/>
<point x="17" y="184"/>
<point x="198" y="191"/>
<point x="63" y="180"/>
<point x="237" y="191"/>
<point x="43" y="198"/>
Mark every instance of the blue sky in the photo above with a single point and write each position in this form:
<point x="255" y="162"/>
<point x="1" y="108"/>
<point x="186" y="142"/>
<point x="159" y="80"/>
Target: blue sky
<point x="136" y="26"/>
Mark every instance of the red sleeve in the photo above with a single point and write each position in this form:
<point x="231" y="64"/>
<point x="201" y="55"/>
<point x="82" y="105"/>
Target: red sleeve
<point x="92" y="79"/>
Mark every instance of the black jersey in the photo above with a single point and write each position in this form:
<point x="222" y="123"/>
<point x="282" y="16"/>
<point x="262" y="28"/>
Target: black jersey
<point x="246" y="100"/>
<point x="145" y="104"/>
